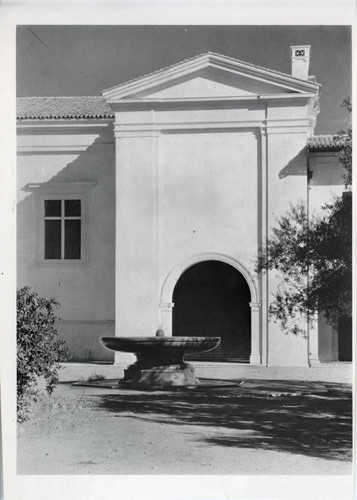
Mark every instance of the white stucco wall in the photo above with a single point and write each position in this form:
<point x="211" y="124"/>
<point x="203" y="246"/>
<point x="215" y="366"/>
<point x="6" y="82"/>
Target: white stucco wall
<point x="179" y="195"/>
<point x="166" y="185"/>
<point x="287" y="184"/>
<point x="84" y="289"/>
<point x="327" y="179"/>
<point x="204" y="190"/>
<point x="208" y="197"/>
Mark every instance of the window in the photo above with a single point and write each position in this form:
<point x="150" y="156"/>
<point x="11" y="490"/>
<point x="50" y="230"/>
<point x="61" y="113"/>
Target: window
<point x="63" y="229"/>
<point x="62" y="222"/>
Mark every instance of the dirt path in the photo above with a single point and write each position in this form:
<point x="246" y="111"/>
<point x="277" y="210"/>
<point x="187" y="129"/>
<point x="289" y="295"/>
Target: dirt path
<point x="104" y="431"/>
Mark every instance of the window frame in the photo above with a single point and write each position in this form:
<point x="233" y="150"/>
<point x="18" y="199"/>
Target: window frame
<point x="62" y="218"/>
<point x="72" y="191"/>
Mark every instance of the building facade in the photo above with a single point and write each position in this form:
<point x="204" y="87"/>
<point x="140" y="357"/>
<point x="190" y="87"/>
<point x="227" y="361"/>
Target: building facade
<point x="145" y="208"/>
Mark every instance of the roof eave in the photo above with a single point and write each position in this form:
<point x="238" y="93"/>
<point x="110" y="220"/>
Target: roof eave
<point x="63" y="122"/>
<point x="326" y="149"/>
<point x="202" y="101"/>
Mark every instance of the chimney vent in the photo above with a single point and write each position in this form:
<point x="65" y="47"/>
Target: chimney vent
<point x="300" y="61"/>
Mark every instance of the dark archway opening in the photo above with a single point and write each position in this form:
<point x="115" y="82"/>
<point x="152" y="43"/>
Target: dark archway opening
<point x="345" y="340"/>
<point x="212" y="300"/>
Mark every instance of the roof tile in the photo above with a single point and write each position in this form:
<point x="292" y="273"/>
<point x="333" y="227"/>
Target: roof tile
<point x="325" y="143"/>
<point x="62" y="107"/>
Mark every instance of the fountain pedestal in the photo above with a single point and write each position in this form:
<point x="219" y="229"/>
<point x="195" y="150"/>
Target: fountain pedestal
<point x="160" y="360"/>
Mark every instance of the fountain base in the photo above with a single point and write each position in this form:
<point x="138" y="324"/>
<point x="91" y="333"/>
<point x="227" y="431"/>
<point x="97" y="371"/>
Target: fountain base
<point x="179" y="375"/>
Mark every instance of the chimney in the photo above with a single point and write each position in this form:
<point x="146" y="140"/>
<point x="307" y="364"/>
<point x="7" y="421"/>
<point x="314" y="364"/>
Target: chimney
<point x="300" y="61"/>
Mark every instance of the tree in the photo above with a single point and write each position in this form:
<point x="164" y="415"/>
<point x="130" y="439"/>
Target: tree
<point x="39" y="351"/>
<point x="314" y="256"/>
<point x="344" y="138"/>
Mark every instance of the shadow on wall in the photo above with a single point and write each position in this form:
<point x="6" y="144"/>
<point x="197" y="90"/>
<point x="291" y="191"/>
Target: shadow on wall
<point x="296" y="166"/>
<point x="314" y="425"/>
<point x="85" y="290"/>
<point x="325" y="169"/>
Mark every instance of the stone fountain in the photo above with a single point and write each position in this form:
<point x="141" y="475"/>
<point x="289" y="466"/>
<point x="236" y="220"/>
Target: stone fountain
<point x="160" y="360"/>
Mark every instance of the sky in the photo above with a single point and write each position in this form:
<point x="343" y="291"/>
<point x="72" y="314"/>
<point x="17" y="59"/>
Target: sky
<point x="84" y="60"/>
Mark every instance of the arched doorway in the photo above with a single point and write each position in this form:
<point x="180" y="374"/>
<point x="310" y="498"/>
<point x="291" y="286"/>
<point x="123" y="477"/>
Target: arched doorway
<point x="212" y="298"/>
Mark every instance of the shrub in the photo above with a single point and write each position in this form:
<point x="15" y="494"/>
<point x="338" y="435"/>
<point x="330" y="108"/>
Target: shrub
<point x="96" y="377"/>
<point x="39" y="351"/>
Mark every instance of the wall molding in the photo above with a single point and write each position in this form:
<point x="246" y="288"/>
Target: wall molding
<point x="172" y="278"/>
<point x="150" y="129"/>
<point x="60" y="187"/>
<point x="62" y="149"/>
<point x="25" y="126"/>
<point x="87" y="322"/>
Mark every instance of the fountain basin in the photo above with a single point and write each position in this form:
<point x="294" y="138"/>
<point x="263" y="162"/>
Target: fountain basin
<point x="160" y="360"/>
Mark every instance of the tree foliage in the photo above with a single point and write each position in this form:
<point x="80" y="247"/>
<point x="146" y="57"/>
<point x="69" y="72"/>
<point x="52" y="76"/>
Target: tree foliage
<point x="344" y="137"/>
<point x="39" y="351"/>
<point x="313" y="256"/>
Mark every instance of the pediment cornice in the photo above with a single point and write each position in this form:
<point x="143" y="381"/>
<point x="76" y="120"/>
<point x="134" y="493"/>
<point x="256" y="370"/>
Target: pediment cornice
<point x="140" y="88"/>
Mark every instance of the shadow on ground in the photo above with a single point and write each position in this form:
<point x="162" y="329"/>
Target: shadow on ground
<point x="291" y="417"/>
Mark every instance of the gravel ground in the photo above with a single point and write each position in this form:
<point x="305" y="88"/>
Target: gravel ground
<point x="260" y="427"/>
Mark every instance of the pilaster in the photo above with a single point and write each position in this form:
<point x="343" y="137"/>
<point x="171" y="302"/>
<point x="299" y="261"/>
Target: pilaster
<point x="136" y="234"/>
<point x="264" y="236"/>
<point x="313" y="343"/>
<point x="255" y="356"/>
<point x="166" y="317"/>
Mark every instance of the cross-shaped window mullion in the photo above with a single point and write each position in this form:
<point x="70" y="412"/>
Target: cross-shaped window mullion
<point x="62" y="229"/>
<point x="67" y="240"/>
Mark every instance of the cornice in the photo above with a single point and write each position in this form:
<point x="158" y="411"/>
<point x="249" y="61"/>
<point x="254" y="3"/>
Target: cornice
<point x="204" y="61"/>
<point x="57" y="123"/>
<point x="60" y="187"/>
<point x="204" y="102"/>
<point x="272" y="126"/>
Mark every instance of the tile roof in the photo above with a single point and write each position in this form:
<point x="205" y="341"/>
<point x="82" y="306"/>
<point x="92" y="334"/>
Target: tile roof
<point x="325" y="143"/>
<point x="62" y="107"/>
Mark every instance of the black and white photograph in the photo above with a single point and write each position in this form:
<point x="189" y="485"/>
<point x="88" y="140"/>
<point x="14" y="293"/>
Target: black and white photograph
<point x="184" y="250"/>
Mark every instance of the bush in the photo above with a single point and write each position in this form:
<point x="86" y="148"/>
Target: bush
<point x="96" y="377"/>
<point x="39" y="351"/>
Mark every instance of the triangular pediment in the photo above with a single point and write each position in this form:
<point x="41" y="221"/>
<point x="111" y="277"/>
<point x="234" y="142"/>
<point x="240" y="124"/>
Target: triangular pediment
<point x="209" y="76"/>
<point x="210" y="82"/>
